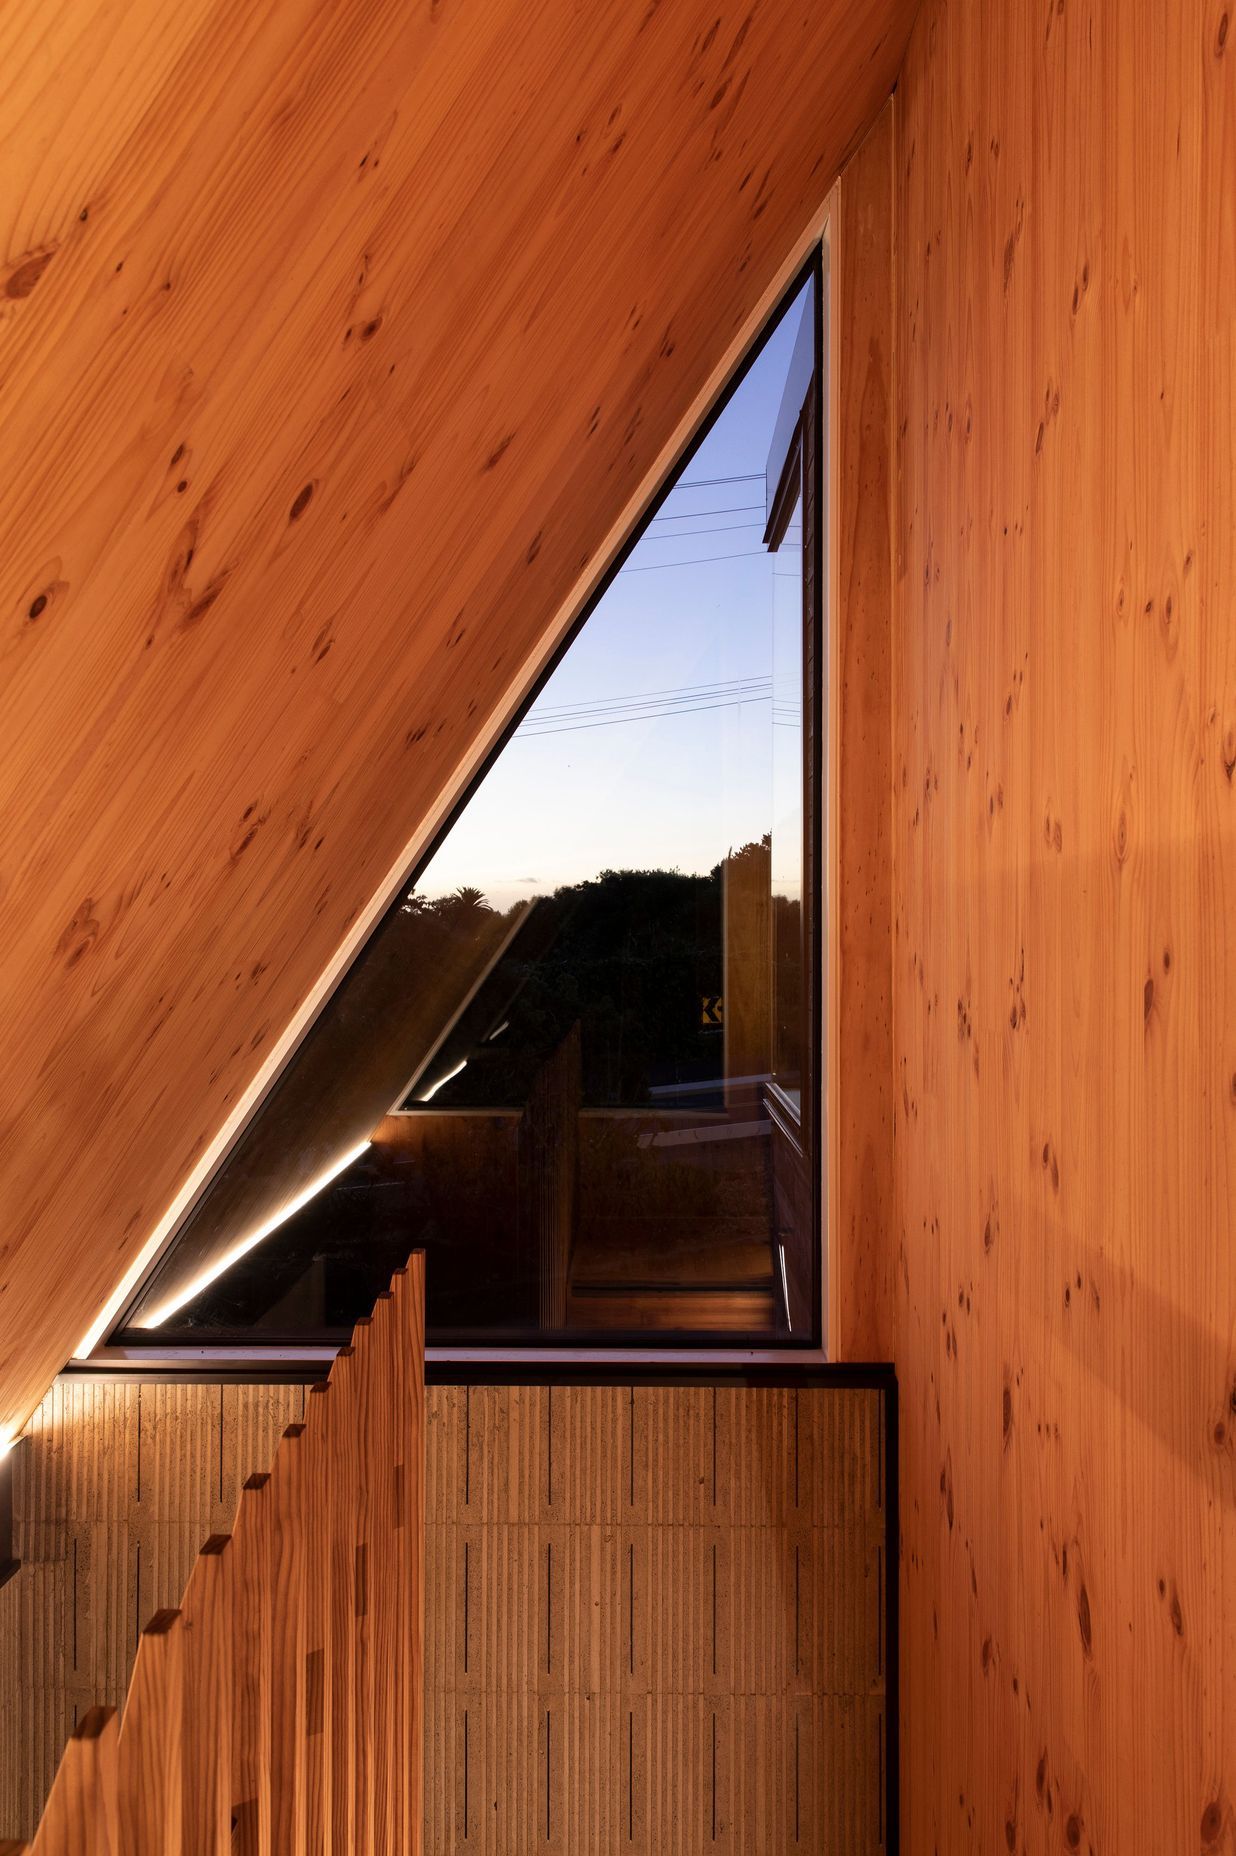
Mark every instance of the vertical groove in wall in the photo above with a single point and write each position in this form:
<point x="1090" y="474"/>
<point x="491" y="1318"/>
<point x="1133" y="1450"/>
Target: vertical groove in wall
<point x="659" y="1670"/>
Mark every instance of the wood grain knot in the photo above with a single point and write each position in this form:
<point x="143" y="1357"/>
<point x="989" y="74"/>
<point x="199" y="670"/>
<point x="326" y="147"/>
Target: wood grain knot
<point x="22" y="279"/>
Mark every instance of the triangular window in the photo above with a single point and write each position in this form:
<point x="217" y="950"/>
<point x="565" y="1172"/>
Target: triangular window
<point x="578" y="1060"/>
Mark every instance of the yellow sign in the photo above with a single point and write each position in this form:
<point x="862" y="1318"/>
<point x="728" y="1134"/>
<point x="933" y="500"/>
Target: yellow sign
<point x="712" y="1010"/>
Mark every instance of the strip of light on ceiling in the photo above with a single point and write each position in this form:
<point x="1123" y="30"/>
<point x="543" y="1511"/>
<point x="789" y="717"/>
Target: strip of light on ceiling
<point x="233" y="1255"/>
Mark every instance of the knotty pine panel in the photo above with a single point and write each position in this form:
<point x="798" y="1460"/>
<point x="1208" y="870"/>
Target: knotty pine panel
<point x="654" y="1618"/>
<point x="1065" y="926"/>
<point x="860" y="1307"/>
<point x="342" y="344"/>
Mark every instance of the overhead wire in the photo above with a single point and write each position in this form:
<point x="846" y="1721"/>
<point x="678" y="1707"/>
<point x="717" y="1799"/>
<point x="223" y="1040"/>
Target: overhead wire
<point x="680" y="699"/>
<point x="701" y="560"/>
<point x="644" y="698"/>
<point x="688" y="515"/>
<point x="726" y="528"/>
<point x="707" y="483"/>
<point x="650" y="705"/>
<point x="611" y="721"/>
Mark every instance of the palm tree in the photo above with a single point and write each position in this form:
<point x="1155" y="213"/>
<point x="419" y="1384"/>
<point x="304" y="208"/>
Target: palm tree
<point x="466" y="899"/>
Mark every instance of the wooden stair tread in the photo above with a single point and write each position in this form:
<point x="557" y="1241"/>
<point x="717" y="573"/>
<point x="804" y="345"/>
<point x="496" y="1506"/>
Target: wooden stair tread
<point x="740" y="1311"/>
<point x="669" y="1254"/>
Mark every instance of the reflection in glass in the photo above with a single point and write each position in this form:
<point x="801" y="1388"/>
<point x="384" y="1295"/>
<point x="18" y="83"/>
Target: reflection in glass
<point x="789" y="960"/>
<point x="556" y="1059"/>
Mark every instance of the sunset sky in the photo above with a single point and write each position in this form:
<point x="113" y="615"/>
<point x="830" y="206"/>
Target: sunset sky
<point x="651" y="744"/>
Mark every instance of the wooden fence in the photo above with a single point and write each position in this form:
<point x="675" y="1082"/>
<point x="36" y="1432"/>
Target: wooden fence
<point x="279" y="1710"/>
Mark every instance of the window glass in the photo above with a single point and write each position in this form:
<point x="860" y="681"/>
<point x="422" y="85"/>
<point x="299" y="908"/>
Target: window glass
<point x="788" y="816"/>
<point x="555" y="1064"/>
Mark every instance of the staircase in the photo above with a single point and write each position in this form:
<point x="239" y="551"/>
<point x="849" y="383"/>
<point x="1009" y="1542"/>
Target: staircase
<point x="279" y="1709"/>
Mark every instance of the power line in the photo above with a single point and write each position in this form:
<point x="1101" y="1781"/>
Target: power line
<point x="754" y="687"/>
<point x="706" y="483"/>
<point x="726" y="528"/>
<point x="567" y="728"/>
<point x="644" y="698"/>
<point x="702" y="560"/>
<point x="688" y="515"/>
<point x="640" y="715"/>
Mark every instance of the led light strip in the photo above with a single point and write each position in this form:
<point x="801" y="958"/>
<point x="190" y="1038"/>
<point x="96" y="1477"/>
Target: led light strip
<point x="443" y="1080"/>
<point x="203" y="1281"/>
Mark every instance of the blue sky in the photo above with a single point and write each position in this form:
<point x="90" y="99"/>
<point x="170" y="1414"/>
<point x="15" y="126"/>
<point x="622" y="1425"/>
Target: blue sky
<point x="651" y="745"/>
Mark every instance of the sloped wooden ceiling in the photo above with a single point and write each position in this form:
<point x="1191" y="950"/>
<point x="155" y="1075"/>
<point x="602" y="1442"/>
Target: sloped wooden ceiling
<point x="334" y="338"/>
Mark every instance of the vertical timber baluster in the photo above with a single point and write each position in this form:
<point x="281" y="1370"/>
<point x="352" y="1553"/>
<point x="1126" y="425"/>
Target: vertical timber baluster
<point x="381" y="1455"/>
<point x="362" y="1629"/>
<point x="251" y="1639"/>
<point x="341" y="1497"/>
<point x="404" y="1571"/>
<point x="82" y="1814"/>
<point x="315" y="1534"/>
<point x="208" y="1701"/>
<point x="409" y="1289"/>
<point x="151" y="1793"/>
<point x="285" y="1597"/>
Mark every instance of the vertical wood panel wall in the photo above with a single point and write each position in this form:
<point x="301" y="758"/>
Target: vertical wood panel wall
<point x="1065" y="863"/>
<point x="860" y="1313"/>
<point x="653" y="1614"/>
